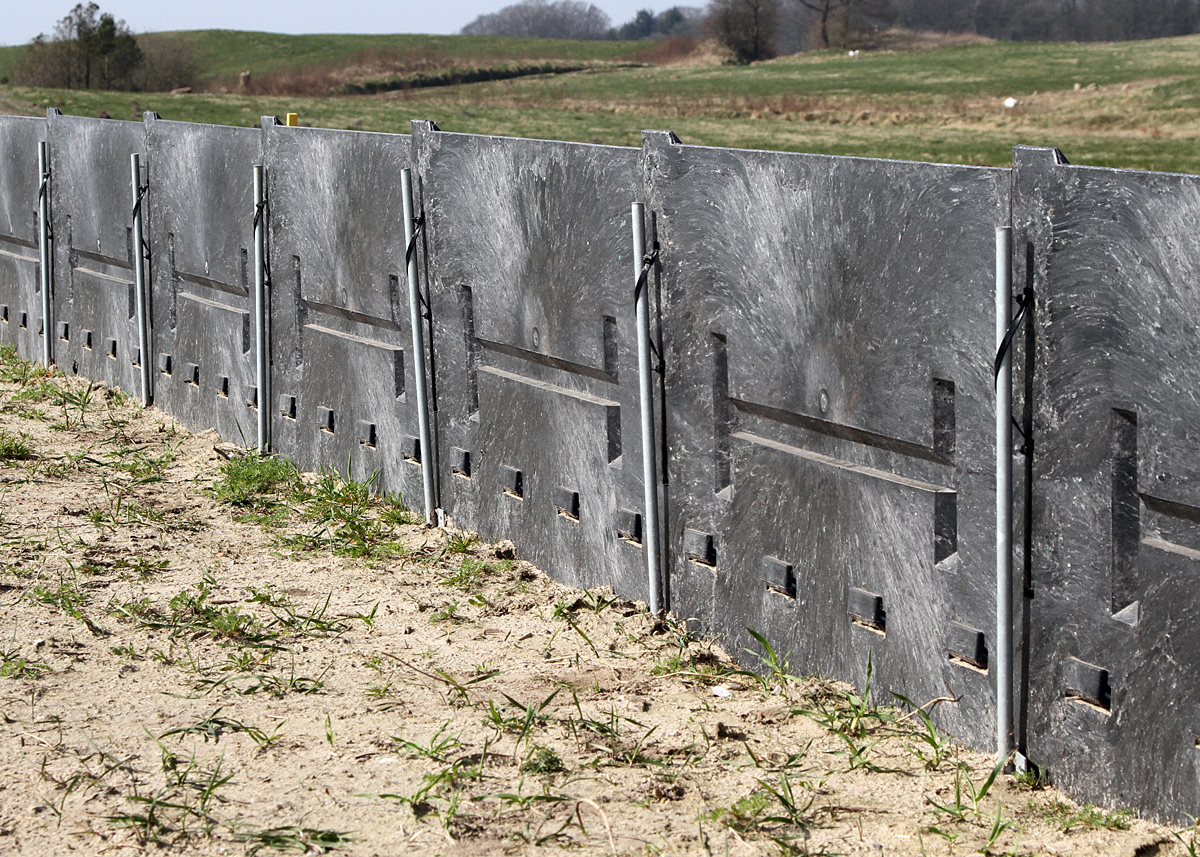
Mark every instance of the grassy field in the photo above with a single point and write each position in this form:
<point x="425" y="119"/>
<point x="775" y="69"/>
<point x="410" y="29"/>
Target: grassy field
<point x="225" y="53"/>
<point x="1134" y="104"/>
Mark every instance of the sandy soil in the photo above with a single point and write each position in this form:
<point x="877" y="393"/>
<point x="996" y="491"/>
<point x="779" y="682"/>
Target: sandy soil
<point x="176" y="674"/>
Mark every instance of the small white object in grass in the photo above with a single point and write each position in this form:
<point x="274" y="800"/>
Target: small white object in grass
<point x="1011" y="102"/>
<point x="851" y="53"/>
<point x="721" y="690"/>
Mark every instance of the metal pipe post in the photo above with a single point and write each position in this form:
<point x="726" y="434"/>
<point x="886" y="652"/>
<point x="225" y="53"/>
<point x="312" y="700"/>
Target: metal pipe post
<point x="418" y="343"/>
<point x="1004" y="500"/>
<point x="45" y="247"/>
<point x="260" y="312"/>
<point x="139" y="279"/>
<point x="646" y="386"/>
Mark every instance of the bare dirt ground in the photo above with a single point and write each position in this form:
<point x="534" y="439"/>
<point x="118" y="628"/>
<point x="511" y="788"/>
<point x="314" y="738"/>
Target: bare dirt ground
<point x="209" y="654"/>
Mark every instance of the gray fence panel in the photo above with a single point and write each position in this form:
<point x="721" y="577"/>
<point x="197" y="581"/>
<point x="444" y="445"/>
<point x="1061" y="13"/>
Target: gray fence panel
<point x="201" y="256"/>
<point x="534" y="342"/>
<point x="20" y="285"/>
<point x="95" y="331"/>
<point x="1114" y="707"/>
<point x="828" y="338"/>
<point x="342" y="383"/>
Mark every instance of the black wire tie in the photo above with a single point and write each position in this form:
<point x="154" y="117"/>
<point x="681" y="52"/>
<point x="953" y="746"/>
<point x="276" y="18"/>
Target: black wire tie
<point x="418" y="226"/>
<point x="137" y="205"/>
<point x="1023" y="301"/>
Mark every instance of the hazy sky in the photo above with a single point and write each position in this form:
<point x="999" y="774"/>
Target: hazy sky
<point x="21" y="20"/>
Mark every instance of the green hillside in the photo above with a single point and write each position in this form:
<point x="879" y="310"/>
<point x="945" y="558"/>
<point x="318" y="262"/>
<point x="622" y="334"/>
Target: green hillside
<point x="223" y="54"/>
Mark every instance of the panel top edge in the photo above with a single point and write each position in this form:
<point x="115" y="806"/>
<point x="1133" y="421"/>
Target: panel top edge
<point x="667" y="139"/>
<point x="274" y="126"/>
<point x="503" y="138"/>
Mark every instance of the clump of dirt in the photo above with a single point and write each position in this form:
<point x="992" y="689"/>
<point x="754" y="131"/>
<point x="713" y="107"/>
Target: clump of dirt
<point x="205" y="651"/>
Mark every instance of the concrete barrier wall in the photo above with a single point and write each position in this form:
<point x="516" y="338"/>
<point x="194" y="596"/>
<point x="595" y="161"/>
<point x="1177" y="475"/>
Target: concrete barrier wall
<point x="823" y="397"/>
<point x="200" y="257"/>
<point x="1113" y="678"/>
<point x="538" y="422"/>
<point x="827" y="328"/>
<point x="342" y="379"/>
<point x="94" y="328"/>
<point x="20" y="289"/>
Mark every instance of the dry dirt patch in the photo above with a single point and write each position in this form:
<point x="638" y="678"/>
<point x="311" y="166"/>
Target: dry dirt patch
<point x="213" y="655"/>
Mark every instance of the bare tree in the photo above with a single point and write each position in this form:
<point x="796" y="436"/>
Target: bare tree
<point x="543" y="19"/>
<point x="676" y="21"/>
<point x="846" y="23"/>
<point x="746" y="27"/>
<point x="88" y="50"/>
<point x="1045" y="20"/>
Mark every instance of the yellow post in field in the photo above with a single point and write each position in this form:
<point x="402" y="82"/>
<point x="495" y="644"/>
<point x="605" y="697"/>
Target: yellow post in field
<point x="293" y="119"/>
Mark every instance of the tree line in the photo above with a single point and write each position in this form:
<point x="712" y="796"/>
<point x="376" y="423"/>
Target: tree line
<point x="758" y="29"/>
<point x="90" y="49"/>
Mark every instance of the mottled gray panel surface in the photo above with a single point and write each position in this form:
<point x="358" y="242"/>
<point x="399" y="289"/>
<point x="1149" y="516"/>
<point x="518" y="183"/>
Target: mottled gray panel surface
<point x="828" y="341"/>
<point x="339" y="305"/>
<point x="20" y="285"/>
<point x="530" y="275"/>
<point x="1116" y="547"/>
<point x="93" y="247"/>
<point x="200" y="272"/>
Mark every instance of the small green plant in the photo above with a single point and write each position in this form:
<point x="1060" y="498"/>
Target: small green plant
<point x="598" y="600"/>
<point x="255" y="482"/>
<point x="248" y="684"/>
<point x="214" y="726"/>
<point x="459" y="543"/>
<point x="999" y="825"/>
<point x="67" y="597"/>
<point x="967" y="796"/>
<point x="776" y="669"/>
<point x="525" y="718"/>
<point x="304" y="840"/>
<point x="857" y="751"/>
<point x="182" y="807"/>
<point x="436" y="747"/>
<point x="932" y="748"/>
<point x="368" y="619"/>
<point x="745" y="814"/>
<point x="141" y="567"/>
<point x="521" y="801"/>
<point x="14" y="447"/>
<point x="468" y="575"/>
<point x="192" y="612"/>
<point x="542" y="760"/>
<point x="790" y="811"/>
<point x="313" y="623"/>
<point x="380" y="690"/>
<point x="137" y="610"/>
<point x="394" y="512"/>
<point x="844" y="712"/>
<point x="348" y="519"/>
<point x="448" y="613"/>
<point x="15" y="665"/>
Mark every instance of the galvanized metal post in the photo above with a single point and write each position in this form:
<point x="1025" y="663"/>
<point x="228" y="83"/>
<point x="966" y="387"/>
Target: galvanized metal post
<point x="1004" y="500"/>
<point x="418" y="343"/>
<point x="139" y="279"/>
<point x="646" y="387"/>
<point x="45" y="249"/>
<point x="262" y="373"/>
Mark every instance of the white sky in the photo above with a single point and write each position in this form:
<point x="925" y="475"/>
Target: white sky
<point x="21" y="20"/>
